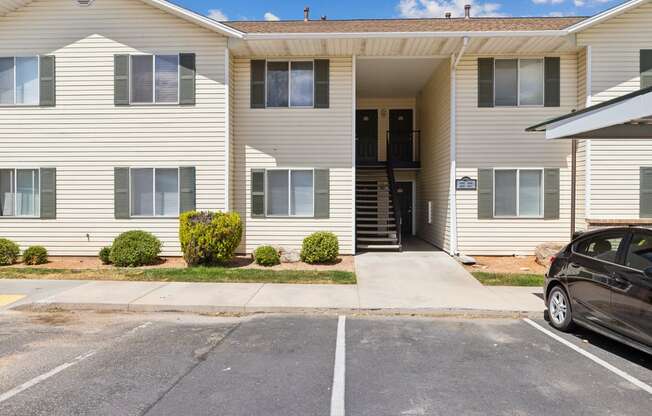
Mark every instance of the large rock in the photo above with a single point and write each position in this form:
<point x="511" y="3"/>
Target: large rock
<point x="288" y="255"/>
<point x="545" y="251"/>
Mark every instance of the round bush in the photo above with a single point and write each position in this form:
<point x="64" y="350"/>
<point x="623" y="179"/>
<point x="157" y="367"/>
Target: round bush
<point x="35" y="255"/>
<point x="105" y="255"/>
<point x="9" y="252"/>
<point x="135" y="248"/>
<point x="321" y="247"/>
<point x="209" y="238"/>
<point x="267" y="256"/>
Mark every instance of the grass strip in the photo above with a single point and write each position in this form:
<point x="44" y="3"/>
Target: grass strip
<point x="509" y="279"/>
<point x="190" y="274"/>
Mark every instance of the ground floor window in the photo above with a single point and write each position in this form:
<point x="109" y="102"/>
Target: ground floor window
<point x="19" y="192"/>
<point x="290" y="192"/>
<point x="154" y="192"/>
<point x="518" y="193"/>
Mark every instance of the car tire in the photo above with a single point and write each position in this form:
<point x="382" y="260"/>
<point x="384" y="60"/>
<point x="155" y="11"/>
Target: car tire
<point x="559" y="309"/>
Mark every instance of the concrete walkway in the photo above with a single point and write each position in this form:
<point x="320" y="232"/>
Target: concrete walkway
<point x="418" y="280"/>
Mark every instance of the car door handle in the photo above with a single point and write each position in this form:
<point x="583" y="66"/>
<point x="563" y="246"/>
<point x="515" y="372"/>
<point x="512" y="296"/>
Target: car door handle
<point x="618" y="279"/>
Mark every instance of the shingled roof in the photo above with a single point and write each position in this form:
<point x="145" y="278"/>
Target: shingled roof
<point x="476" y="24"/>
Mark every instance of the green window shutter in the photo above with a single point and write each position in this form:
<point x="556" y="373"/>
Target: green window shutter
<point x="258" y="83"/>
<point x="187" y="79"/>
<point x="646" y="68"/>
<point x="485" y="194"/>
<point x="552" y="71"/>
<point x="122" y="209"/>
<point x="551" y="194"/>
<point x="485" y="82"/>
<point x="646" y="192"/>
<point x="187" y="189"/>
<point x="48" y="193"/>
<point x="47" y="81"/>
<point x="121" y="79"/>
<point x="322" y="193"/>
<point x="322" y="83"/>
<point x="258" y="192"/>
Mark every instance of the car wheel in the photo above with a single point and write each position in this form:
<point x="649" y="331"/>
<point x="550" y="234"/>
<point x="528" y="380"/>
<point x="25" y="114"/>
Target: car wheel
<point x="559" y="309"/>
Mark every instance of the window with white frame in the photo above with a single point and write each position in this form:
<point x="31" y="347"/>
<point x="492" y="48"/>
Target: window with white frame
<point x="154" y="192"/>
<point x="20" y="192"/>
<point x="290" y="192"/>
<point x="290" y="83"/>
<point x="519" y="82"/>
<point x="154" y="79"/>
<point x="19" y="80"/>
<point x="518" y="193"/>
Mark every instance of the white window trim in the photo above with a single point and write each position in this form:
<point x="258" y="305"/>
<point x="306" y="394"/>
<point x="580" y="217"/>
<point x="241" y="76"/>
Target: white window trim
<point x="518" y="194"/>
<point x="15" y="187"/>
<point x="289" y="62"/>
<point x="312" y="170"/>
<point x="154" y="55"/>
<point x="38" y="80"/>
<point x="155" y="168"/>
<point x="518" y="82"/>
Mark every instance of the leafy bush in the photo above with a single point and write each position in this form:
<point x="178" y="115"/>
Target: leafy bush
<point x="321" y="247"/>
<point x="135" y="248"/>
<point x="209" y="238"/>
<point x="105" y="255"/>
<point x="267" y="256"/>
<point x="35" y="255"/>
<point x="9" y="252"/>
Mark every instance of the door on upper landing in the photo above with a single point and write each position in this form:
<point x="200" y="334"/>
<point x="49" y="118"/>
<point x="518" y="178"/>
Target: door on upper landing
<point x="405" y="197"/>
<point x="366" y="136"/>
<point x="401" y="123"/>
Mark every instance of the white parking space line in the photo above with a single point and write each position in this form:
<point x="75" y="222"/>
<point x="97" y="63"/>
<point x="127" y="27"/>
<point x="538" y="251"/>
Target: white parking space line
<point x="339" y="373"/>
<point x="11" y="393"/>
<point x="638" y="383"/>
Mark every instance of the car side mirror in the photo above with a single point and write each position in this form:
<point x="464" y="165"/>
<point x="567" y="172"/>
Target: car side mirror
<point x="648" y="272"/>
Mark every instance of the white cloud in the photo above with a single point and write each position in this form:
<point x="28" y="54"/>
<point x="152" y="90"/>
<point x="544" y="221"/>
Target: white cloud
<point x="271" y="17"/>
<point x="547" y="1"/>
<point x="580" y="3"/>
<point x="217" y="14"/>
<point x="437" y="8"/>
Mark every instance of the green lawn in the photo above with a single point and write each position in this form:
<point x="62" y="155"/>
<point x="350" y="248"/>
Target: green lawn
<point x="509" y="279"/>
<point x="191" y="274"/>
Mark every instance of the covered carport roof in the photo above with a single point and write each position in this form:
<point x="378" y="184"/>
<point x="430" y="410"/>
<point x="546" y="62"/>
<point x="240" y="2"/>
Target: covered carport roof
<point x="625" y="117"/>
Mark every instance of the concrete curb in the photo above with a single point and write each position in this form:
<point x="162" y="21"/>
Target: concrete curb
<point x="214" y="309"/>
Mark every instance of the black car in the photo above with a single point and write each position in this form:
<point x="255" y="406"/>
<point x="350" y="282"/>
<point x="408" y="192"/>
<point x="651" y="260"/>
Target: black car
<point x="603" y="281"/>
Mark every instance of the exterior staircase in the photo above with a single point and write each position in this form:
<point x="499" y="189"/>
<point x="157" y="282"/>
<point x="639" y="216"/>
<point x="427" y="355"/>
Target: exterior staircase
<point x="376" y="220"/>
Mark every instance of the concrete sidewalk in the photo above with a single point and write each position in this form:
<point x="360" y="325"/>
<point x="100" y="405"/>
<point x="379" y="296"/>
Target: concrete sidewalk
<point x="418" y="280"/>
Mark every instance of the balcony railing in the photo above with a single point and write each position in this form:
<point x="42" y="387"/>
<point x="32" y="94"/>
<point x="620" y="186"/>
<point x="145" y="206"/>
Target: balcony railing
<point x="403" y="148"/>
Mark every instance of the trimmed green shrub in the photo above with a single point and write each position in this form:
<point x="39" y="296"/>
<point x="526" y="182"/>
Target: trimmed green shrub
<point x="35" y="255"/>
<point x="105" y="255"/>
<point x="209" y="238"/>
<point x="320" y="247"/>
<point x="135" y="248"/>
<point x="9" y="252"/>
<point x="267" y="256"/>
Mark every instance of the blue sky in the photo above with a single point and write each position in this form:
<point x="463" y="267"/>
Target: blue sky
<point x="351" y="9"/>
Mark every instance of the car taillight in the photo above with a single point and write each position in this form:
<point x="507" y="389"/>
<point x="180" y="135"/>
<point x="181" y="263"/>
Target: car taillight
<point x="552" y="259"/>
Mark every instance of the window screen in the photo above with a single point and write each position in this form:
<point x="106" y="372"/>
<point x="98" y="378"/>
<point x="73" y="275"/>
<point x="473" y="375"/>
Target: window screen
<point x="531" y="82"/>
<point x="142" y="79"/>
<point x="302" y="84"/>
<point x="278" y="83"/>
<point x="167" y="78"/>
<point x="505" y="193"/>
<point x="506" y="82"/>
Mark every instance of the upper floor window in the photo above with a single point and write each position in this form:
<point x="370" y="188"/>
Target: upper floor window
<point x="19" y="80"/>
<point x="154" y="79"/>
<point x="290" y="84"/>
<point x="518" y="82"/>
<point x="518" y="193"/>
<point x="20" y="192"/>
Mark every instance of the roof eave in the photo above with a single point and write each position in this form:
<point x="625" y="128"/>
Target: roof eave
<point x="350" y="35"/>
<point x="606" y="15"/>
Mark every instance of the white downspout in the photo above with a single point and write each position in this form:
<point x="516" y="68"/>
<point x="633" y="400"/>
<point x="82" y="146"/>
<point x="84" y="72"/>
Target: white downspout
<point x="227" y="130"/>
<point x="455" y="60"/>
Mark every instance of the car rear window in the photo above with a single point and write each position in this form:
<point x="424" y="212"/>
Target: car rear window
<point x="604" y="247"/>
<point x="639" y="252"/>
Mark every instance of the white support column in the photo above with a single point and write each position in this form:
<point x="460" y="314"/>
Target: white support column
<point x="587" y="145"/>
<point x="227" y="130"/>
<point x="353" y="161"/>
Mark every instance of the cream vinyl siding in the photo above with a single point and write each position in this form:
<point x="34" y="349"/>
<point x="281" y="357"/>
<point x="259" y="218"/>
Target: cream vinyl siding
<point x="433" y="179"/>
<point x="580" y="210"/>
<point x="295" y="138"/>
<point x="85" y="136"/>
<point x="615" y="164"/>
<point x="386" y="104"/>
<point x="496" y="138"/>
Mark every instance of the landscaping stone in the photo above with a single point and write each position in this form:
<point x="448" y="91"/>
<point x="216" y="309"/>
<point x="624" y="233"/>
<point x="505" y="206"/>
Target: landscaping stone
<point x="288" y="255"/>
<point x="545" y="251"/>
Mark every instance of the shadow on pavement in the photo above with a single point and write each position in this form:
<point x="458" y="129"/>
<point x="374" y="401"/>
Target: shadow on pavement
<point x="614" y="347"/>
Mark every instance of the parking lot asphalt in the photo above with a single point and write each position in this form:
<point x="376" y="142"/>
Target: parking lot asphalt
<point x="174" y="364"/>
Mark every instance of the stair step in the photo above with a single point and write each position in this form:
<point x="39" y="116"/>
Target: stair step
<point x="376" y="240"/>
<point x="384" y="247"/>
<point x="376" y="226"/>
<point x="390" y="234"/>
<point x="378" y="219"/>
